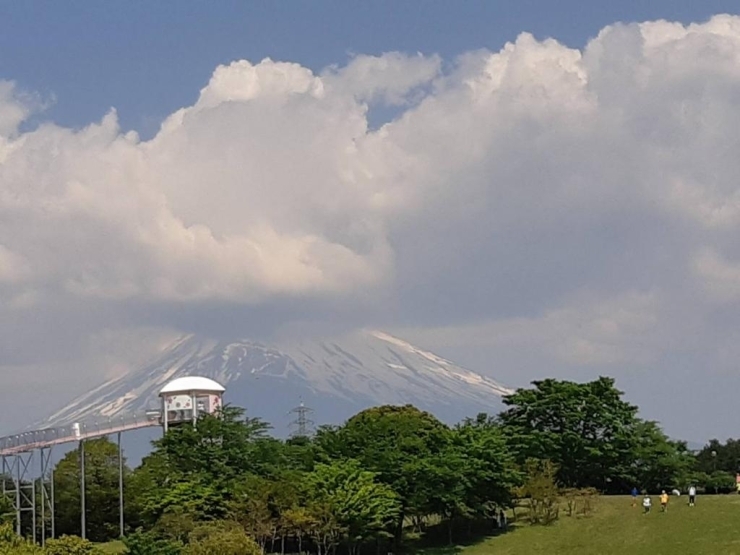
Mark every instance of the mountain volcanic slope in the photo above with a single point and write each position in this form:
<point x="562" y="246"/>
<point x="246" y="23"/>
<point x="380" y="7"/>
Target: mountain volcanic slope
<point x="336" y="377"/>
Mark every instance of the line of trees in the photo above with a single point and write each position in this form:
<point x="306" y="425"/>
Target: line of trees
<point x="388" y="474"/>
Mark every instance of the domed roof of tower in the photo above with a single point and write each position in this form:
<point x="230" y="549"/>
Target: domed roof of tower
<point x="192" y="383"/>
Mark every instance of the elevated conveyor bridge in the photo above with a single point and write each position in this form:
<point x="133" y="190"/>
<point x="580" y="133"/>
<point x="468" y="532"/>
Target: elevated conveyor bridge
<point x="27" y="472"/>
<point x="25" y="442"/>
<point x="28" y="481"/>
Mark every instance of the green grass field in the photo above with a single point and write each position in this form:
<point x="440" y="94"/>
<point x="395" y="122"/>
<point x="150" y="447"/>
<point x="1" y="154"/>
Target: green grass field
<point x="712" y="527"/>
<point x="112" y="547"/>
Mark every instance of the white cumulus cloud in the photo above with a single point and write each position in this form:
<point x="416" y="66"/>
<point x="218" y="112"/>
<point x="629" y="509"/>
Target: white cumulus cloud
<point x="581" y="203"/>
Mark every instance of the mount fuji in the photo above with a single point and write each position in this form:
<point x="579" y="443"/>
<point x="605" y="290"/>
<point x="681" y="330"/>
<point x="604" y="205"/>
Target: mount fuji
<point x="336" y="377"/>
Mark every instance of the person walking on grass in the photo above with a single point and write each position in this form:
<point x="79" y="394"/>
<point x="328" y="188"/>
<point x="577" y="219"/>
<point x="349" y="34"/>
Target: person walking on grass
<point x="692" y="495"/>
<point x="663" y="502"/>
<point x="646" y="504"/>
<point x="634" y="496"/>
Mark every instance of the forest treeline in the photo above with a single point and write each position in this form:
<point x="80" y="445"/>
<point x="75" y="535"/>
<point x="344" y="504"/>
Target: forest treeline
<point x="388" y="476"/>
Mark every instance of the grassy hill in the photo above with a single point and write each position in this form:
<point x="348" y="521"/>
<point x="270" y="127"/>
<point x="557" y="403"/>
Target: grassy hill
<point x="712" y="527"/>
<point x="112" y="547"/>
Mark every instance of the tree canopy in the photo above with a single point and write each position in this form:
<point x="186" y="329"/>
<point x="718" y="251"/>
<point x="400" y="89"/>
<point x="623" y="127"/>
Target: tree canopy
<point x="386" y="473"/>
<point x="586" y="429"/>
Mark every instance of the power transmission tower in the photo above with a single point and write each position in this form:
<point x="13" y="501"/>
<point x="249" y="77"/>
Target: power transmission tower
<point x="302" y="425"/>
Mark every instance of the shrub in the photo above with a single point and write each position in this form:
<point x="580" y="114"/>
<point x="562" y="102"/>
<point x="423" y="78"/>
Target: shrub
<point x="221" y="538"/>
<point x="147" y="543"/>
<point x="70" y="545"/>
<point x="24" y="548"/>
<point x="540" y="492"/>
<point x="175" y="525"/>
<point x="579" y="501"/>
<point x="11" y="544"/>
<point x="7" y="513"/>
<point x="720" y="482"/>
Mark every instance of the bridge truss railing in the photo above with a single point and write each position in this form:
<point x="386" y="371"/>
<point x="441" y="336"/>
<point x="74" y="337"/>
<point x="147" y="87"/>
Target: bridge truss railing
<point x="36" y="439"/>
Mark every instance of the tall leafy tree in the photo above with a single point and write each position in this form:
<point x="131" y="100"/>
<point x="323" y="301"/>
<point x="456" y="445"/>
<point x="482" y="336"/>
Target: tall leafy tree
<point x="194" y="467"/>
<point x="718" y="456"/>
<point x="101" y="491"/>
<point x="262" y="504"/>
<point x="219" y="446"/>
<point x="399" y="445"/>
<point x="361" y="507"/>
<point x="488" y="467"/>
<point x="659" y="463"/>
<point x="301" y="453"/>
<point x="250" y="505"/>
<point x="472" y="477"/>
<point x="586" y="429"/>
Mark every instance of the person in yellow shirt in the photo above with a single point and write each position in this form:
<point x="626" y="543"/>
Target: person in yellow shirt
<point x="663" y="502"/>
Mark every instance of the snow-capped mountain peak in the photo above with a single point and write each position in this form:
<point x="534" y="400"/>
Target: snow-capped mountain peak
<point x="337" y="376"/>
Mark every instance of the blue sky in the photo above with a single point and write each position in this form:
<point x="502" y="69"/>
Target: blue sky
<point x="147" y="59"/>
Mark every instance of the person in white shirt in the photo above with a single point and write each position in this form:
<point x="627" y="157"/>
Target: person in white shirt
<point x="692" y="495"/>
<point x="646" y="504"/>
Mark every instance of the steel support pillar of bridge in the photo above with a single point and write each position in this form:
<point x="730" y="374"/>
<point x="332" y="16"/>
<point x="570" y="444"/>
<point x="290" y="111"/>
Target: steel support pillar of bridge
<point x="120" y="487"/>
<point x="19" y="486"/>
<point x="83" y="524"/>
<point x="46" y="499"/>
<point x="30" y="494"/>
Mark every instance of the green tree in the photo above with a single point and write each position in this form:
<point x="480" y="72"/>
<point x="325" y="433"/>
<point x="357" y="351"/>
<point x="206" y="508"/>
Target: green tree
<point x="194" y="467"/>
<point x="361" y="507"/>
<point x="219" y="447"/>
<point x="448" y="479"/>
<point x="250" y="506"/>
<point x="301" y="453"/>
<point x="101" y="491"/>
<point x="586" y="430"/>
<point x="719" y="456"/>
<point x="285" y="493"/>
<point x="396" y="443"/>
<point x="659" y="463"/>
<point x="325" y="531"/>
<point x="193" y="495"/>
<point x="298" y="522"/>
<point x="720" y="481"/>
<point x="261" y="505"/>
<point x="175" y="524"/>
<point x="484" y="466"/>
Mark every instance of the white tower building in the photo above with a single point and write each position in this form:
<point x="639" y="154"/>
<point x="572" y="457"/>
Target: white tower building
<point x="184" y="399"/>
